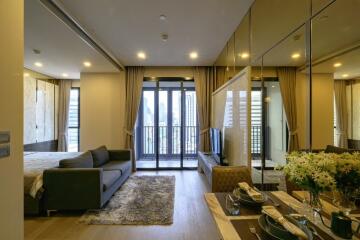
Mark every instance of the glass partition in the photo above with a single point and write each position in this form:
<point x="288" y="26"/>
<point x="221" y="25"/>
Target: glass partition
<point x="335" y="70"/>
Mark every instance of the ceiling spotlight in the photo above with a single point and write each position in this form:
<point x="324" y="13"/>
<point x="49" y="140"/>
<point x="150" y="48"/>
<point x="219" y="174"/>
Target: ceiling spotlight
<point x="26" y="74"/>
<point x="65" y="75"/>
<point x="244" y="55"/>
<point x="141" y="55"/>
<point x="345" y="75"/>
<point x="164" y="37"/>
<point x="188" y="78"/>
<point x="295" y="56"/>
<point x="38" y="64"/>
<point x="338" y="64"/>
<point x="193" y="55"/>
<point x="87" y="64"/>
<point x="162" y="17"/>
<point x="273" y="86"/>
<point x="36" y="51"/>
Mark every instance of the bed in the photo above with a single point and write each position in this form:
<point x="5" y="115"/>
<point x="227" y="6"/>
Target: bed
<point x="34" y="165"/>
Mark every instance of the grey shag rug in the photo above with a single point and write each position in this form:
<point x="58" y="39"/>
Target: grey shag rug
<point x="142" y="200"/>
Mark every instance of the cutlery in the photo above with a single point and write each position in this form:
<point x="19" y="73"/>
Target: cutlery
<point x="253" y="231"/>
<point x="313" y="230"/>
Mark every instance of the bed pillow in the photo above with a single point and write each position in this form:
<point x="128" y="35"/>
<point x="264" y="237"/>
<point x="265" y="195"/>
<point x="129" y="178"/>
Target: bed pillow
<point x="100" y="156"/>
<point x="85" y="160"/>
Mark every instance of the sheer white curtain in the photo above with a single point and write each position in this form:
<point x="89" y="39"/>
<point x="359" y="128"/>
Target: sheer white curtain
<point x="64" y="103"/>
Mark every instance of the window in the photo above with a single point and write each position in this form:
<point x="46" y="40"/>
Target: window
<point x="74" y="121"/>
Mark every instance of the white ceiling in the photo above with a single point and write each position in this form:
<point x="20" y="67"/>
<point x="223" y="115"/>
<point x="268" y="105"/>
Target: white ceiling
<point x="62" y="51"/>
<point x="126" y="27"/>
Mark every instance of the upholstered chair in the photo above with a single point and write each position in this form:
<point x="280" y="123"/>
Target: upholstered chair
<point x="226" y="178"/>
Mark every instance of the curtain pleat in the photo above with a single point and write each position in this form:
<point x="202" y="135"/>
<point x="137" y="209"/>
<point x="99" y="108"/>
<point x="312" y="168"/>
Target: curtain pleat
<point x="64" y="104"/>
<point x="205" y="84"/>
<point x="133" y="87"/>
<point x="341" y="113"/>
<point x="287" y="81"/>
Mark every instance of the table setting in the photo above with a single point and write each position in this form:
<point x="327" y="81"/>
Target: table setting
<point x="248" y="213"/>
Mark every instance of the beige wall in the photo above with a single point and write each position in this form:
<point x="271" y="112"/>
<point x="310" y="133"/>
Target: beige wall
<point x="168" y="72"/>
<point x="102" y="104"/>
<point x="322" y="110"/>
<point x="11" y="106"/>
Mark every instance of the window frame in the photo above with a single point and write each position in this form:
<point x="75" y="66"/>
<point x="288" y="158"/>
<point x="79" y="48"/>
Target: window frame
<point x="78" y="125"/>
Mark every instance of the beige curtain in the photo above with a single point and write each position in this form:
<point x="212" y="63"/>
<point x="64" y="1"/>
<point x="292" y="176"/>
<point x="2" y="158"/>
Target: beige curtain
<point x="133" y="87"/>
<point x="205" y="84"/>
<point x="341" y="113"/>
<point x="287" y="81"/>
<point x="64" y="102"/>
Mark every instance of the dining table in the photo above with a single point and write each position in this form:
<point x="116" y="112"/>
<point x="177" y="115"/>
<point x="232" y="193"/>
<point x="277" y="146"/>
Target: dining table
<point x="243" y="225"/>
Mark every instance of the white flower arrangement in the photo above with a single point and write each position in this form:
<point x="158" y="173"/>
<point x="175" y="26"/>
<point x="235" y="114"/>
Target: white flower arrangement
<point x="319" y="172"/>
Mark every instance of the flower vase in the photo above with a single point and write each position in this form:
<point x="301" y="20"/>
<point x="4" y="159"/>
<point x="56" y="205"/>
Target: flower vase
<point x="315" y="205"/>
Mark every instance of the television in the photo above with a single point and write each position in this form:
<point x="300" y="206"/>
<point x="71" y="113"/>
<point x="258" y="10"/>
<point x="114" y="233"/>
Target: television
<point x="216" y="145"/>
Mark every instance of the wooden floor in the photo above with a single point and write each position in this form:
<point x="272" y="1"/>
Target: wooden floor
<point x="192" y="219"/>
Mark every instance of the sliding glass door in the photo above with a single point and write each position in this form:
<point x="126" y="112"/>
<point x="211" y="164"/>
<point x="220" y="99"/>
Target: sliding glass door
<point x="167" y="126"/>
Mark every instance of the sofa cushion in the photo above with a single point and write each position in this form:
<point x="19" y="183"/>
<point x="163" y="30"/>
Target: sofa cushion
<point x="123" y="166"/>
<point x="338" y="150"/>
<point x="100" y="156"/>
<point x="109" y="178"/>
<point x="85" y="160"/>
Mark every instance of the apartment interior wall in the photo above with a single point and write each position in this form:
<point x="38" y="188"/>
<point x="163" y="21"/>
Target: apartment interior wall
<point x="102" y="110"/>
<point x="322" y="110"/>
<point x="11" y="106"/>
<point x="168" y="72"/>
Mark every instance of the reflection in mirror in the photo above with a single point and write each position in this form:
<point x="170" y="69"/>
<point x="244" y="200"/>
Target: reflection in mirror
<point x="286" y="94"/>
<point x="242" y="48"/>
<point x="268" y="24"/>
<point x="336" y="74"/>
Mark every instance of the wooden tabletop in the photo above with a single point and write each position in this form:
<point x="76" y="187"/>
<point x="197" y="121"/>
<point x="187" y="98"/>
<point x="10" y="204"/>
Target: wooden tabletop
<point x="227" y="230"/>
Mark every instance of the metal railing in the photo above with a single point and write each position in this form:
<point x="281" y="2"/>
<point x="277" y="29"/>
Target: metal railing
<point x="255" y="140"/>
<point x="170" y="140"/>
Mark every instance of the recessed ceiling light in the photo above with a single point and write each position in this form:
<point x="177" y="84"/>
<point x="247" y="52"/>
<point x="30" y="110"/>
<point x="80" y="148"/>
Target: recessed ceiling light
<point x="193" y="55"/>
<point x="295" y="55"/>
<point x="188" y="78"/>
<point x="65" y="75"/>
<point x="26" y="74"/>
<point x="87" y="64"/>
<point x="141" y="55"/>
<point x="345" y="75"/>
<point x="244" y="55"/>
<point x="273" y="86"/>
<point x="38" y="64"/>
<point x="162" y="17"/>
<point x="338" y="64"/>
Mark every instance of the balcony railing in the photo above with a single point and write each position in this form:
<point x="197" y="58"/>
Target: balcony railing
<point x="255" y="141"/>
<point x="170" y="140"/>
<point x="170" y="144"/>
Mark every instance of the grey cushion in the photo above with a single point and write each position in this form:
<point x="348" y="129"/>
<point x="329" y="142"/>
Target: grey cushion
<point x="338" y="150"/>
<point x="123" y="166"/>
<point x="85" y="160"/>
<point x="109" y="178"/>
<point x="100" y="156"/>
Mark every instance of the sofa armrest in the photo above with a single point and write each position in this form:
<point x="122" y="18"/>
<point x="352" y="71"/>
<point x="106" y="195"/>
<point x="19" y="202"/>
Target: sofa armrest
<point x="72" y="188"/>
<point x="120" y="155"/>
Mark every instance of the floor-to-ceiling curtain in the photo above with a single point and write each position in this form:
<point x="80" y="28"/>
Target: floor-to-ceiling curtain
<point x="341" y="113"/>
<point x="287" y="82"/>
<point x="205" y="84"/>
<point x="64" y="103"/>
<point x="133" y="87"/>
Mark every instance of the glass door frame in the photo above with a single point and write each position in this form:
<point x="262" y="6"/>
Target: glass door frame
<point x="139" y="135"/>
